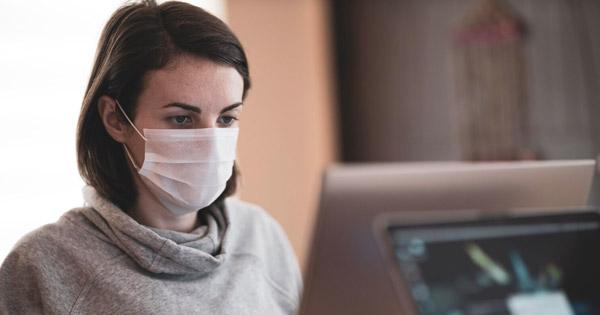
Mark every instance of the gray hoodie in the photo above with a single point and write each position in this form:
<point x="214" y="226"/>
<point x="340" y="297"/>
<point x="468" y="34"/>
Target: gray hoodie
<point x="98" y="260"/>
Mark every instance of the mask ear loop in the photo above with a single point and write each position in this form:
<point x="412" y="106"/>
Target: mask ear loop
<point x="129" y="120"/>
<point x="136" y="130"/>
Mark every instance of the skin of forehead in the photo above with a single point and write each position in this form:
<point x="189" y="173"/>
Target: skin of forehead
<point x="195" y="81"/>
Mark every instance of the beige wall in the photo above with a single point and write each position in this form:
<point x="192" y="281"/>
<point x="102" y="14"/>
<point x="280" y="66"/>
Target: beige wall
<point x="288" y="132"/>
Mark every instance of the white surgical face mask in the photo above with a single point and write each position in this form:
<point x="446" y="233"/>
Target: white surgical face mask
<point x="186" y="169"/>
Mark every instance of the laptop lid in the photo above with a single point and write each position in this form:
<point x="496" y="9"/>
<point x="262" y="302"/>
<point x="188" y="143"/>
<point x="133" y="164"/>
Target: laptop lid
<point x="515" y="263"/>
<point x="345" y="273"/>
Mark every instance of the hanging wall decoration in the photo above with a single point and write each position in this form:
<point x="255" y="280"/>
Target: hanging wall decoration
<point x="491" y="84"/>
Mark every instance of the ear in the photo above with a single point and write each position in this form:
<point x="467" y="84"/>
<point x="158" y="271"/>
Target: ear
<point x="116" y="128"/>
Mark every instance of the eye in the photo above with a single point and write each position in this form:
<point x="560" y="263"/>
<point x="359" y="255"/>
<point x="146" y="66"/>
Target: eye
<point x="227" y="120"/>
<point x="181" y="120"/>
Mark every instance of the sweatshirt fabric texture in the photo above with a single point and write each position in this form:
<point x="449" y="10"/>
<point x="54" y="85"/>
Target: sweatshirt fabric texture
<point x="98" y="260"/>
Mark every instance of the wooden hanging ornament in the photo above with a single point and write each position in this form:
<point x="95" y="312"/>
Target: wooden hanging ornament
<point x="490" y="70"/>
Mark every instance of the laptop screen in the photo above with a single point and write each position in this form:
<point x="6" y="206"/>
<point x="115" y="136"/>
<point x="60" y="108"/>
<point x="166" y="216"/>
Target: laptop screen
<point x="530" y="265"/>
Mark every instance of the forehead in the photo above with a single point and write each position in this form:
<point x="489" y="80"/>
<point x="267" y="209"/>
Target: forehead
<point x="193" y="80"/>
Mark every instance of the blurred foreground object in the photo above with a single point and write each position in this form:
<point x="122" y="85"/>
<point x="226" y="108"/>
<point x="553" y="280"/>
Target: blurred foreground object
<point x="346" y="273"/>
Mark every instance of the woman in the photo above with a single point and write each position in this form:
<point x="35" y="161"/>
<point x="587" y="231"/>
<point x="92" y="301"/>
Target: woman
<point x="156" y="145"/>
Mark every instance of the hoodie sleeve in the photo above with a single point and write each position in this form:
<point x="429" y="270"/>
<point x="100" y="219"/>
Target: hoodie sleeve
<point x="278" y="256"/>
<point x="285" y="271"/>
<point x="255" y="232"/>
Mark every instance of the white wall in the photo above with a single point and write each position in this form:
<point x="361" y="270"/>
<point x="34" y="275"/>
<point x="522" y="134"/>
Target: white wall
<point x="46" y="53"/>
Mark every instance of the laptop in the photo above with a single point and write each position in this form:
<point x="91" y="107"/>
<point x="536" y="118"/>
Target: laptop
<point x="524" y="262"/>
<point x="346" y="272"/>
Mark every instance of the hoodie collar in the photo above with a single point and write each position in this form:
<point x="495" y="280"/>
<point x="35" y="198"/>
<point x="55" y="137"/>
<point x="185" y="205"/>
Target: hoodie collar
<point x="157" y="250"/>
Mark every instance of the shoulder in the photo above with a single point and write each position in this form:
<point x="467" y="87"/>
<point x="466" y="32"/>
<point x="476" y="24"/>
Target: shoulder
<point x="35" y="254"/>
<point x="252" y="222"/>
<point x="60" y="249"/>
<point x="43" y="243"/>
<point x="244" y="208"/>
<point x="238" y="210"/>
<point x="42" y="272"/>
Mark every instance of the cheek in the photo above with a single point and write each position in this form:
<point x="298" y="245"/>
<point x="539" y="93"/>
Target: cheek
<point x="150" y="120"/>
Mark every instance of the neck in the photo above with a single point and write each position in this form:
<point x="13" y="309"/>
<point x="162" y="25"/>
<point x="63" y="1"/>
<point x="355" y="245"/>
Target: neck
<point x="150" y="212"/>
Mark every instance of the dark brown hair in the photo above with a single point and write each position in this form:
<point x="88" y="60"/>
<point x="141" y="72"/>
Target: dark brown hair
<point x="140" y="37"/>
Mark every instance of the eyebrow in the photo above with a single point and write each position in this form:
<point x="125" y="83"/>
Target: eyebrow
<point x="196" y="109"/>
<point x="230" y="107"/>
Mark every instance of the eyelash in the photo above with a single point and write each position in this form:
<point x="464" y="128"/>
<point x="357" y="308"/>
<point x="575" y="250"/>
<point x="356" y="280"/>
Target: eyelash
<point x="233" y="120"/>
<point x="173" y="119"/>
<point x="188" y="120"/>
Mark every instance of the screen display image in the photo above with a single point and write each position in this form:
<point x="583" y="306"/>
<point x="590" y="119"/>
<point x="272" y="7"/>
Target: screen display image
<point x="546" y="265"/>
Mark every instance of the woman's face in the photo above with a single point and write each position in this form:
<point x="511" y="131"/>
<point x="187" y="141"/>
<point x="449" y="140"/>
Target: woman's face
<point x="190" y="92"/>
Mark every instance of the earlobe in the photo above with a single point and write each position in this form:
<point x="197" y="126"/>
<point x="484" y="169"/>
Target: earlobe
<point x="107" y="109"/>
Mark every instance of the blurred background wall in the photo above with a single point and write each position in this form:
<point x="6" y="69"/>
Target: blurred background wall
<point x="289" y="127"/>
<point x="397" y="86"/>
